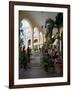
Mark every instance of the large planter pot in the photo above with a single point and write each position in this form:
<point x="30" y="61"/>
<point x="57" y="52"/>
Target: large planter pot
<point x="45" y="67"/>
<point x="59" y="68"/>
<point x="51" y="69"/>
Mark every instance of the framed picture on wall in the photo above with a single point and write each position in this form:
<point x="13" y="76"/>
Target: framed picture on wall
<point x="39" y="44"/>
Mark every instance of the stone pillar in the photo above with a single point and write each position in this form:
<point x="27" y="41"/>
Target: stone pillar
<point x="43" y="38"/>
<point x="32" y="39"/>
<point x="39" y="40"/>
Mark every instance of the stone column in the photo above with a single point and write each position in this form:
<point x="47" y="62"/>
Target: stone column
<point x="39" y="40"/>
<point x="32" y="39"/>
<point x="43" y="38"/>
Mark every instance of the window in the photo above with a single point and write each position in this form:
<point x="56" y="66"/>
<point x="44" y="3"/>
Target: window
<point x="36" y="40"/>
<point x="29" y="42"/>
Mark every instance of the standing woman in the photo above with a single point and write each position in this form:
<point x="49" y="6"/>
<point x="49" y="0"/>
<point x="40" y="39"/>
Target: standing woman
<point x="20" y="57"/>
<point x="28" y="55"/>
<point x="24" y="58"/>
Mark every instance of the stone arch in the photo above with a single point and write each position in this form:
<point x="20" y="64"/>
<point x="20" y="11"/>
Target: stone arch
<point x="26" y="27"/>
<point x="29" y="18"/>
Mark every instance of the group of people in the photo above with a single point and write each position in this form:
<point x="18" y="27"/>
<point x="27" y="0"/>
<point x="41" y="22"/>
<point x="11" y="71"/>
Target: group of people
<point x="56" y="57"/>
<point x="53" y="59"/>
<point x="53" y="54"/>
<point x="25" y="57"/>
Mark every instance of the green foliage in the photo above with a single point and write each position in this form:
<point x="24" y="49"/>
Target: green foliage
<point x="47" y="63"/>
<point x="23" y="58"/>
<point x="59" y="20"/>
<point x="49" y="25"/>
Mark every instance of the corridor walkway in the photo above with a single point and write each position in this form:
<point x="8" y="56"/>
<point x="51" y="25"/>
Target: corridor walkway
<point x="36" y="69"/>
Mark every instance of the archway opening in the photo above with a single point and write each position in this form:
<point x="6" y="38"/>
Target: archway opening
<point x="26" y="33"/>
